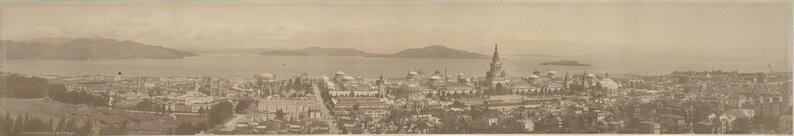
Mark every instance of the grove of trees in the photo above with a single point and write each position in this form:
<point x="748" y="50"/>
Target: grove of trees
<point x="22" y="124"/>
<point x="187" y="128"/>
<point x="17" y="86"/>
<point x="59" y="93"/>
<point x="220" y="112"/>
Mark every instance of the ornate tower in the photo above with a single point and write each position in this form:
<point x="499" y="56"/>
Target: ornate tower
<point x="495" y="77"/>
<point x="495" y="70"/>
<point x="381" y="82"/>
<point x="565" y="81"/>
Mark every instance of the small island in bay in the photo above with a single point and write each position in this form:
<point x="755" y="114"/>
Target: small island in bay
<point x="565" y="63"/>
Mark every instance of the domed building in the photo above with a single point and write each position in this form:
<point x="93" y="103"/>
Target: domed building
<point x="411" y="92"/>
<point x="265" y="77"/>
<point x="348" y="79"/>
<point x="533" y="78"/>
<point x="436" y="82"/>
<point x="462" y="79"/>
<point x="265" y="84"/>
<point x="338" y="76"/>
<point x="551" y="74"/>
<point x="413" y="75"/>
<point x="436" y="79"/>
<point x="607" y="84"/>
<point x="534" y="85"/>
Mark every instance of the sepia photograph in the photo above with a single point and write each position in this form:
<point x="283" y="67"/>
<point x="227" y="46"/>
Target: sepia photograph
<point x="415" y="67"/>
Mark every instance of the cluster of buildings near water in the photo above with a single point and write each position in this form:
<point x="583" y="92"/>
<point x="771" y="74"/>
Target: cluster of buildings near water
<point x="683" y="102"/>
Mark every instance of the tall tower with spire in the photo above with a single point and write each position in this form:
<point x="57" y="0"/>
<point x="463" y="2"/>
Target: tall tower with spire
<point x="381" y="82"/>
<point x="495" y="70"/>
<point x="496" y="75"/>
<point x="565" y="81"/>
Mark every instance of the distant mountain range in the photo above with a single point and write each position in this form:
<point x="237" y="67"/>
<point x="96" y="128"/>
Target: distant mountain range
<point x="317" y="51"/>
<point x="106" y="48"/>
<point x="88" y="48"/>
<point x="230" y="50"/>
<point x="284" y="53"/>
<point x="435" y="51"/>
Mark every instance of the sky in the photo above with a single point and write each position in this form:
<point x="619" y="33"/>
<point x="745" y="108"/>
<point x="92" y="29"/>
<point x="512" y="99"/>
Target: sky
<point x="543" y="28"/>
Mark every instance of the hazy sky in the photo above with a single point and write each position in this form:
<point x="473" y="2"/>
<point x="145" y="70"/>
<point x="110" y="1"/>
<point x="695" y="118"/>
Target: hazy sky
<point x="720" y="29"/>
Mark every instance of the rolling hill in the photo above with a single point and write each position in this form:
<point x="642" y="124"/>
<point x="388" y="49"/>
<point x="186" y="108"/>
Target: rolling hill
<point x="88" y="48"/>
<point x="435" y="51"/>
<point x="317" y="51"/>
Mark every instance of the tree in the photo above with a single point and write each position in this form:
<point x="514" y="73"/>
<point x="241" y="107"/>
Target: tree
<point x="202" y="111"/>
<point x="50" y="126"/>
<point x="17" y="86"/>
<point x="86" y="129"/>
<point x="201" y="126"/>
<point x="8" y="117"/>
<point x="169" y="110"/>
<point x="161" y="109"/>
<point x="220" y="112"/>
<point x="242" y="106"/>
<point x="186" y="128"/>
<point x="19" y="124"/>
<point x="145" y="105"/>
<point x="741" y="126"/>
<point x="61" y="125"/>
<point x="279" y="114"/>
<point x="123" y="129"/>
<point x="71" y="126"/>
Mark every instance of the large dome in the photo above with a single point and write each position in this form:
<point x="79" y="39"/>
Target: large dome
<point x="349" y="78"/>
<point x="591" y="75"/>
<point x="413" y="73"/>
<point x="340" y="72"/>
<point x="534" y="76"/>
<point x="407" y="88"/>
<point x="265" y="76"/>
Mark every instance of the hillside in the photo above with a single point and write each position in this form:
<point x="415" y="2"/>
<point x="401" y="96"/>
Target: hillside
<point x="284" y="53"/>
<point x="435" y="51"/>
<point x="88" y="48"/>
<point x="46" y="109"/>
<point x="231" y="50"/>
<point x="333" y="51"/>
<point x="317" y="51"/>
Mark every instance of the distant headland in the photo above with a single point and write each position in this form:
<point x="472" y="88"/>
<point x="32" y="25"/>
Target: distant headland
<point x="86" y="48"/>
